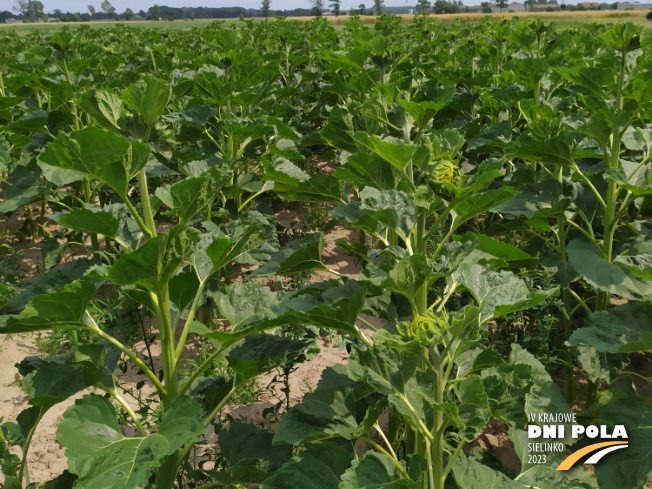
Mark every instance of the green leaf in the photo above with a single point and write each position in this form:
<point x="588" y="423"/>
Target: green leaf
<point x="104" y="155"/>
<point x="325" y="413"/>
<point x="497" y="292"/>
<point x="319" y="467"/>
<point x="183" y="288"/>
<point x="53" y="380"/>
<point x="259" y="353"/>
<point x="557" y="150"/>
<point x="102" y="456"/>
<point x="89" y="221"/>
<point x="300" y="255"/>
<point x="422" y="112"/>
<point x="192" y="195"/>
<point x="618" y="330"/>
<point x="329" y="305"/>
<point x="473" y="410"/>
<point x="61" y="309"/>
<point x="628" y="468"/>
<point x="21" y="188"/>
<point x="49" y="282"/>
<point x="477" y="204"/>
<point x="605" y="276"/>
<point x="373" y="471"/>
<point x="59" y="176"/>
<point x="104" y="107"/>
<point x="249" y="452"/>
<point x="546" y="476"/>
<point x="601" y="366"/>
<point x="364" y="169"/>
<point x="243" y="300"/>
<point x="396" y="154"/>
<point x="470" y="474"/>
<point x="393" y="208"/>
<point x="154" y="263"/>
<point x="148" y="97"/>
<point x="319" y="188"/>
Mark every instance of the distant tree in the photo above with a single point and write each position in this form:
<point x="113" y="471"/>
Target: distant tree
<point x="192" y="15"/>
<point x="45" y="18"/>
<point x="155" y="12"/>
<point x="317" y="7"/>
<point x="335" y="5"/>
<point x="264" y="8"/>
<point x="22" y="8"/>
<point x="91" y="9"/>
<point x="63" y="17"/>
<point x="501" y="4"/>
<point x="423" y="6"/>
<point x="486" y="8"/>
<point x="379" y="6"/>
<point x="128" y="13"/>
<point x="108" y="8"/>
<point x="184" y="12"/>
<point x="76" y="18"/>
<point x="362" y="9"/>
<point x="445" y="7"/>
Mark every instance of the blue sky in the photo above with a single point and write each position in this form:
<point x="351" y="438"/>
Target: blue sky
<point x="136" y="5"/>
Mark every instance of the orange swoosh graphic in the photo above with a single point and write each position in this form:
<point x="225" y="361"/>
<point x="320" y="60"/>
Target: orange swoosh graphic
<point x="571" y="459"/>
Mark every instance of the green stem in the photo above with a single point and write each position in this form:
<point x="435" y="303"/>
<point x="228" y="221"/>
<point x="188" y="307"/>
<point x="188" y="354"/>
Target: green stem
<point x="28" y="442"/>
<point x="144" y="198"/>
<point x="398" y="466"/>
<point x="126" y="407"/>
<point x="452" y="458"/>
<point x="189" y="320"/>
<point x="162" y="302"/>
<point x="137" y="218"/>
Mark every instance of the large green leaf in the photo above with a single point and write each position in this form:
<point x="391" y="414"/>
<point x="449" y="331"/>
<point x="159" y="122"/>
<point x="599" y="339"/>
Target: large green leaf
<point x="623" y="329"/>
<point x="89" y="221"/>
<point x="477" y="204"/>
<point x="243" y="300"/>
<point x="328" y="305"/>
<point x="327" y="412"/>
<point x="259" y="353"/>
<point x="53" y="380"/>
<point x="364" y="169"/>
<point x="148" y="97"/>
<point x="21" y="188"/>
<point x="61" y="309"/>
<point x="473" y="410"/>
<point x="545" y="475"/>
<point x="214" y="251"/>
<point x="154" y="263"/>
<point x="606" y="276"/>
<point x="395" y="153"/>
<point x="102" y="456"/>
<point x="471" y="474"/>
<point x="249" y="452"/>
<point x="629" y="468"/>
<point x="394" y="208"/>
<point x="556" y="150"/>
<point x="192" y="195"/>
<point x="300" y="255"/>
<point x="373" y="471"/>
<point x="319" y="188"/>
<point x="319" y="467"/>
<point x="104" y="155"/>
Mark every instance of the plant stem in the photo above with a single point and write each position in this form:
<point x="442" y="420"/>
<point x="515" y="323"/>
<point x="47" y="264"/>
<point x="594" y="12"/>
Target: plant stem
<point x="28" y="442"/>
<point x="189" y="320"/>
<point x="126" y="407"/>
<point x="144" y="198"/>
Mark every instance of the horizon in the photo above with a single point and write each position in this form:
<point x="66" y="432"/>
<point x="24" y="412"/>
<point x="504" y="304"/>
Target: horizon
<point x="81" y="6"/>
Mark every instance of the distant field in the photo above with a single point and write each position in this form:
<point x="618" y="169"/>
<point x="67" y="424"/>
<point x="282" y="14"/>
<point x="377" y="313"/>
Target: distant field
<point x="565" y="17"/>
<point x="23" y="29"/>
